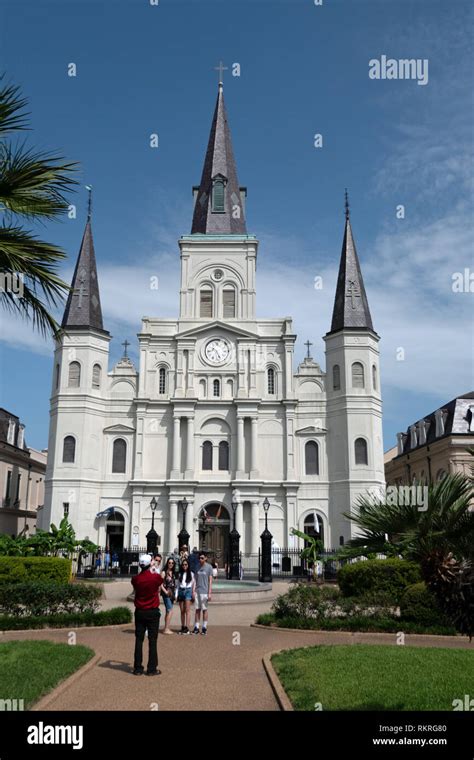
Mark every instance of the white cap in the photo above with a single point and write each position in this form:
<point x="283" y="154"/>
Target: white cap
<point x="144" y="559"/>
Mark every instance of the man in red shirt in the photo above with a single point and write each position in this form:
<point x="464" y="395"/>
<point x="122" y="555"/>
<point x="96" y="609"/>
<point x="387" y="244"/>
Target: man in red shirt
<point x="147" y="616"/>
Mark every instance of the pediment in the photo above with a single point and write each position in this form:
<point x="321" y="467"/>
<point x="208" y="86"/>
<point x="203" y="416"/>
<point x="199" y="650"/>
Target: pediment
<point x="119" y="429"/>
<point x="217" y="324"/>
<point x="310" y="430"/>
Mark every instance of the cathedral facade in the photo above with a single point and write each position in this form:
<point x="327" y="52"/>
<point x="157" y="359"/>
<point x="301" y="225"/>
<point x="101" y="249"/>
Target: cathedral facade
<point x="215" y="413"/>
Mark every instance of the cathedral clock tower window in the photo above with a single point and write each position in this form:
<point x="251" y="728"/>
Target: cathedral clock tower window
<point x="206" y="302"/>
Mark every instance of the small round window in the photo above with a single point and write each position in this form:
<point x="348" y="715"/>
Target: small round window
<point x="218" y="274"/>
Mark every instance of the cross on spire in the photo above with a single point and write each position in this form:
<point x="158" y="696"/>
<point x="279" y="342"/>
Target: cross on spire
<point x="221" y="68"/>
<point x="89" y="202"/>
<point x="125" y="345"/>
<point x="346" y="203"/>
<point x="308" y="344"/>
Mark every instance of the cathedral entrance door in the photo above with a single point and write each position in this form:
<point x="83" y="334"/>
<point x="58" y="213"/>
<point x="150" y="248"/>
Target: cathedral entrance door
<point x="214" y="529"/>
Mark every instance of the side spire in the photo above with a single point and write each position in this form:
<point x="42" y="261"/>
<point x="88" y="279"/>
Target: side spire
<point x="351" y="308"/>
<point x="83" y="304"/>
<point x="219" y="207"/>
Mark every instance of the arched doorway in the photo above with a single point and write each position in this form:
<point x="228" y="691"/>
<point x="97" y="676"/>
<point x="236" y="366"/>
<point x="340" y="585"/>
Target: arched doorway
<point x="313" y="526"/>
<point x="115" y="529"/>
<point x="214" y="528"/>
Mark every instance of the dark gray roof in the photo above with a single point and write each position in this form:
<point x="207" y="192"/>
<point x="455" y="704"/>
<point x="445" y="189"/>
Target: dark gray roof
<point x="457" y="421"/>
<point x="219" y="160"/>
<point x="351" y="308"/>
<point x="5" y="417"/>
<point x="83" y="303"/>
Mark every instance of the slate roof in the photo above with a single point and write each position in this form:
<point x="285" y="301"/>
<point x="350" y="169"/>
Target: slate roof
<point x="219" y="160"/>
<point x="83" y="304"/>
<point x="457" y="420"/>
<point x="351" y="308"/>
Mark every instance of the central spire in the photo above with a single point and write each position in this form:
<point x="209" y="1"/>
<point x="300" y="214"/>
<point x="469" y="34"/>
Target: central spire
<point x="219" y="207"/>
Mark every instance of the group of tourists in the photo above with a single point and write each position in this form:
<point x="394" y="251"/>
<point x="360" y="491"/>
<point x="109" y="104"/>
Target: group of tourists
<point x="185" y="579"/>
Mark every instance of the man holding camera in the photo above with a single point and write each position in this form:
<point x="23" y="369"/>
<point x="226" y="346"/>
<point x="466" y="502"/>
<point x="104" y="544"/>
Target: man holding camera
<point x="147" y="616"/>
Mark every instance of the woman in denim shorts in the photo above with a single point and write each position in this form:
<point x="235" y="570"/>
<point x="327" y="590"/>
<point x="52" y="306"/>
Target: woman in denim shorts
<point x="186" y="592"/>
<point x="168" y="591"/>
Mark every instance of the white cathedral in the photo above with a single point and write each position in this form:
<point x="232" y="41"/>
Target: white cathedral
<point x="215" y="412"/>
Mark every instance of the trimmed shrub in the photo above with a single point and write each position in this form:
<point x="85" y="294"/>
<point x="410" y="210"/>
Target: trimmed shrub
<point x="304" y="601"/>
<point x="363" y="623"/>
<point x="18" y="569"/>
<point x="47" y="598"/>
<point x="115" y="616"/>
<point x="390" y="576"/>
<point x="419" y="605"/>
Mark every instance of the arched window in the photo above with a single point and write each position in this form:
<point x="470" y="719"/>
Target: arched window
<point x="207" y="455"/>
<point x="119" y="458"/>
<point x="271" y="381"/>
<point x="313" y="526"/>
<point x="441" y="474"/>
<point x="202" y="389"/>
<point x="218" y="196"/>
<point x="223" y="455"/>
<point x="69" y="449"/>
<point x="96" y="373"/>
<point x="228" y="303"/>
<point x="206" y="302"/>
<point x="311" y="458"/>
<point x="358" y="375"/>
<point x="216" y="388"/>
<point x="360" y="449"/>
<point x="341" y="540"/>
<point x="58" y="370"/>
<point x="374" y="377"/>
<point x="336" y="378"/>
<point x="162" y="380"/>
<point x="74" y="375"/>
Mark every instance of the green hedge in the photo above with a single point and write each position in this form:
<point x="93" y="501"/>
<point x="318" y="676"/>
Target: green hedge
<point x="390" y="576"/>
<point x="18" y="569"/>
<point x="419" y="605"/>
<point x="47" y="598"/>
<point x="115" y="616"/>
<point x="362" y="623"/>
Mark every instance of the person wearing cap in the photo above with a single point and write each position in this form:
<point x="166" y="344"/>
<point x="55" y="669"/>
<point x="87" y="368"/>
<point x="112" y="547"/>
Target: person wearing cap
<point x="147" y="616"/>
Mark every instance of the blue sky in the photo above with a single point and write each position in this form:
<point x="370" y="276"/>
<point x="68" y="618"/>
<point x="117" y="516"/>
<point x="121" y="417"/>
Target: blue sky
<point x="145" y="69"/>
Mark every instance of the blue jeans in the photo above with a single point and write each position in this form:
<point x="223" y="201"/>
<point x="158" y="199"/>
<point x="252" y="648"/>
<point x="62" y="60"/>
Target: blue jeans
<point x="168" y="602"/>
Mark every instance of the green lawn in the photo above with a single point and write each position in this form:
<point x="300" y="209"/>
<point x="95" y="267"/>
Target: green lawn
<point x="30" y="669"/>
<point x="366" y="677"/>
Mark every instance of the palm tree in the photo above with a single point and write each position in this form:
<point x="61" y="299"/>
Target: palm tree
<point x="440" y="539"/>
<point x="32" y="187"/>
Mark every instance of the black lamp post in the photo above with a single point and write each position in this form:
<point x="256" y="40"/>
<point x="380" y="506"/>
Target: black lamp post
<point x="233" y="572"/>
<point x="183" y="535"/>
<point x="266" y="536"/>
<point x="152" y="535"/>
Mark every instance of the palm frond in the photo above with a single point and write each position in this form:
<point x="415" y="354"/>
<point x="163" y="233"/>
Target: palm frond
<point x="11" y="105"/>
<point x="33" y="183"/>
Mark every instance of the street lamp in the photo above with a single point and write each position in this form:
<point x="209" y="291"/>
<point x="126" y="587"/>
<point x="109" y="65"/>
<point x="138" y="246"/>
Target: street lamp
<point x="233" y="572"/>
<point x="152" y="535"/>
<point x="183" y="536"/>
<point x="266" y="536"/>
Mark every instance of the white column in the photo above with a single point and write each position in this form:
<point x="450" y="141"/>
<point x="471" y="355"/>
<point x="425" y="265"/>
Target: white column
<point x="254" y="528"/>
<point x="190" y="527"/>
<point x="239" y="522"/>
<point x="253" y="454"/>
<point x="175" y="470"/>
<point x="190" y="448"/>
<point x="173" y="526"/>
<point x="240" y="447"/>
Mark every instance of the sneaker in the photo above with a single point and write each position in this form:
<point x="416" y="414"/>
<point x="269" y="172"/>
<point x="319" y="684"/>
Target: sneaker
<point x="186" y="632"/>
<point x="204" y="632"/>
<point x="183" y="630"/>
<point x="196" y="629"/>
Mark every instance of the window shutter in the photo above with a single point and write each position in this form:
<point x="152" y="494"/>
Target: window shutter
<point x="311" y="458"/>
<point x="74" y="375"/>
<point x="223" y="455"/>
<point x="119" y="455"/>
<point x="206" y="303"/>
<point x="218" y="196"/>
<point x="69" y="450"/>
<point x="207" y="455"/>
<point x="360" y="447"/>
<point x="358" y="375"/>
<point x="336" y="378"/>
<point x="229" y="303"/>
<point x="96" y="376"/>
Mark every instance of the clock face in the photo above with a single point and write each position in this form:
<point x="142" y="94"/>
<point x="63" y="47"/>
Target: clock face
<point x="217" y="351"/>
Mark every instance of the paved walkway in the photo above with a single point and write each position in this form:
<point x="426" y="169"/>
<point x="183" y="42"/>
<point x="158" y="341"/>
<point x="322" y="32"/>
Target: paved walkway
<point x="221" y="671"/>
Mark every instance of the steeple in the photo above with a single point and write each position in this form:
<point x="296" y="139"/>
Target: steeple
<point x="351" y="308"/>
<point x="219" y="207"/>
<point x="83" y="303"/>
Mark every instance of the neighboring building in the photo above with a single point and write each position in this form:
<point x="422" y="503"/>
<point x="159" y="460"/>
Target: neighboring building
<point x="435" y="445"/>
<point x="22" y="476"/>
<point x="215" y="410"/>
